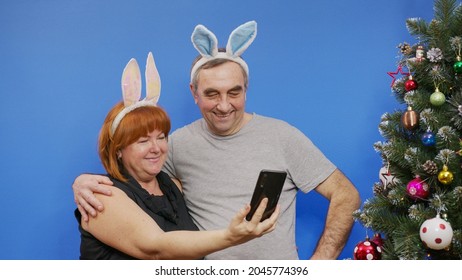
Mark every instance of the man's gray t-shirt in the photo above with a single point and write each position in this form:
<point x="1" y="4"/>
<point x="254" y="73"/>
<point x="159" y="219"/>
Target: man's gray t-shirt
<point x="218" y="175"/>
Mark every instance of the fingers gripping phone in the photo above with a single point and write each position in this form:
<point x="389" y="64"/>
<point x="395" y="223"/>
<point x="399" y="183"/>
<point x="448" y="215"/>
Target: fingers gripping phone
<point x="269" y="184"/>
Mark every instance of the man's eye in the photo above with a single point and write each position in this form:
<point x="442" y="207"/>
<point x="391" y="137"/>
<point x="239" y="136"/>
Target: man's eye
<point x="211" y="94"/>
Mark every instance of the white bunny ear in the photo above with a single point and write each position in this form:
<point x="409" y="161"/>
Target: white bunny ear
<point x="152" y="80"/>
<point x="131" y="83"/>
<point x="241" y="38"/>
<point x="207" y="45"/>
<point x="204" y="41"/>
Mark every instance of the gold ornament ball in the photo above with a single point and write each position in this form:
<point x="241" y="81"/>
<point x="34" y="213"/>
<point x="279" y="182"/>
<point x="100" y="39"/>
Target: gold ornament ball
<point x="445" y="176"/>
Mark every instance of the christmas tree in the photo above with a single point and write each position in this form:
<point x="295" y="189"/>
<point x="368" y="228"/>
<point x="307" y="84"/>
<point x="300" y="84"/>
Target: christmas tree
<point x="416" y="210"/>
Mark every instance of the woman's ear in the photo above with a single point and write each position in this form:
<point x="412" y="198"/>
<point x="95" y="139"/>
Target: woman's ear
<point x="119" y="154"/>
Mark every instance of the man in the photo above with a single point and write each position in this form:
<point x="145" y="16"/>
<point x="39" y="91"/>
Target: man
<point x="217" y="158"/>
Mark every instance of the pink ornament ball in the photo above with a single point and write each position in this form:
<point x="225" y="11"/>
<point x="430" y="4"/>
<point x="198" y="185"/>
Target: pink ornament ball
<point x="418" y="189"/>
<point x="436" y="233"/>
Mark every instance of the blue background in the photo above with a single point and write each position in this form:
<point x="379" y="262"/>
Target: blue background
<point x="319" y="65"/>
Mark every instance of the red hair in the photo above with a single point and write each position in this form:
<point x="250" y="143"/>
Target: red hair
<point x="138" y="123"/>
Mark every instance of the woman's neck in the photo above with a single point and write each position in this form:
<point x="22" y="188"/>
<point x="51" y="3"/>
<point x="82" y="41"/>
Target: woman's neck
<point x="152" y="187"/>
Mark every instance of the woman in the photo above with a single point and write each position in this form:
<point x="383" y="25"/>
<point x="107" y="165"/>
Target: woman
<point x="146" y="216"/>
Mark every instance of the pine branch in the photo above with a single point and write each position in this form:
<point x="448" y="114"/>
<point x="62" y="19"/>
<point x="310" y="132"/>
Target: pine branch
<point x="444" y="11"/>
<point x="419" y="28"/>
<point x="394" y="211"/>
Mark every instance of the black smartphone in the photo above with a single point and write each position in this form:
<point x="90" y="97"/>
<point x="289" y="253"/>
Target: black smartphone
<point x="269" y="184"/>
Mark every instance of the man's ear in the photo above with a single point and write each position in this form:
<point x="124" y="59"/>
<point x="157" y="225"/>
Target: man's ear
<point x="193" y="92"/>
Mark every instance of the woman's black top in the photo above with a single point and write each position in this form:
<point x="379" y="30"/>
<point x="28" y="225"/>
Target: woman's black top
<point x="169" y="211"/>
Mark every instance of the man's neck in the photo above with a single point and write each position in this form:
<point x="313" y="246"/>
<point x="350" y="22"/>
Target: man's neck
<point x="245" y="120"/>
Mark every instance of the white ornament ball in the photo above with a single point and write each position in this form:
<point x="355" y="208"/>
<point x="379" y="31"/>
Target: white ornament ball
<point x="436" y="233"/>
<point x="387" y="178"/>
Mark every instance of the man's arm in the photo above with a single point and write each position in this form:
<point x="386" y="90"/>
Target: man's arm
<point x="84" y="186"/>
<point x="344" y="199"/>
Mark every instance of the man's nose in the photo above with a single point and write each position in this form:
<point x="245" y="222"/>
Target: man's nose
<point x="223" y="104"/>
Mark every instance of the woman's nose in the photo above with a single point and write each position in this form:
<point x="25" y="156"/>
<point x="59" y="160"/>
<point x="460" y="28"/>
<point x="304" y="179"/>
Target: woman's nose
<point x="155" y="146"/>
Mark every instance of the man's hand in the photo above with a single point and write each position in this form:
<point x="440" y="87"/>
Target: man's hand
<point x="84" y="186"/>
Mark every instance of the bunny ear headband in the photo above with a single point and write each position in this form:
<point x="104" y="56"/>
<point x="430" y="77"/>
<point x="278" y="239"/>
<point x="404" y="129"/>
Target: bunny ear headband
<point x="131" y="88"/>
<point x="207" y="44"/>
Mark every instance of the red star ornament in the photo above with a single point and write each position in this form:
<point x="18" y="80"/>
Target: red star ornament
<point x="398" y="71"/>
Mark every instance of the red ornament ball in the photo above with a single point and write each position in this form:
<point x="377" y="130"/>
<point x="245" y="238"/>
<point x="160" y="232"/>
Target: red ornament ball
<point x="377" y="239"/>
<point x="410" y="85"/>
<point x="367" y="250"/>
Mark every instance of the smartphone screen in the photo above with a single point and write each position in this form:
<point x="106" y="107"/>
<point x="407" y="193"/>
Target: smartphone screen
<point x="269" y="184"/>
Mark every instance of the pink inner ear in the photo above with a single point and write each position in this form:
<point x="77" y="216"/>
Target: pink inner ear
<point x="131" y="83"/>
